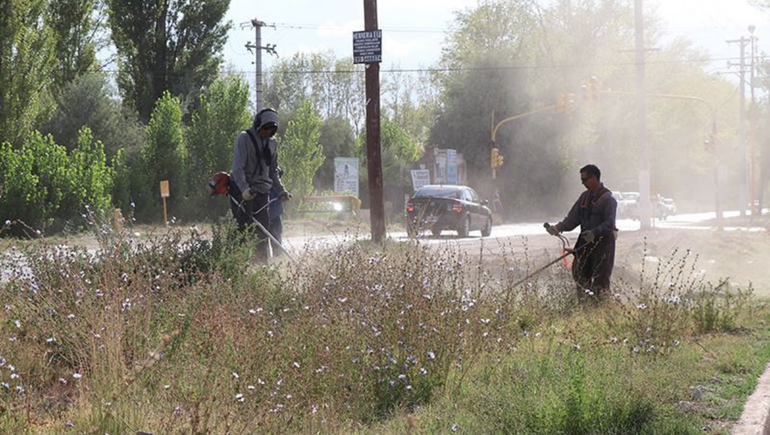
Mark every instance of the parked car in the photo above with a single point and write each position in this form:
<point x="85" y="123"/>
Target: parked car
<point x="665" y="207"/>
<point x="627" y="205"/>
<point x="447" y="207"/>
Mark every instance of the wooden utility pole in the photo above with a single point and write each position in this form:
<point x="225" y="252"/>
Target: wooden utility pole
<point x="373" y="151"/>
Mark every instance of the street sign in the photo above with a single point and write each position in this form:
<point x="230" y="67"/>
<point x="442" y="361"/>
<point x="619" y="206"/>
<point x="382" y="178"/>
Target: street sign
<point x="420" y="177"/>
<point x="346" y="175"/>
<point x="367" y="46"/>
<point x="164" y="191"/>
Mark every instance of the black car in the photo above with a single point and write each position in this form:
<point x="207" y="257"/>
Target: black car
<point x="447" y="207"/>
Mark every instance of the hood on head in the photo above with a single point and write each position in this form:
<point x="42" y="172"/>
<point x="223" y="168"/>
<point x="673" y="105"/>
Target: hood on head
<point x="267" y="116"/>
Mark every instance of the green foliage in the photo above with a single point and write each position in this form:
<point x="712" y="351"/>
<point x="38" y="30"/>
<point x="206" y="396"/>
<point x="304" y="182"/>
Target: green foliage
<point x="93" y="178"/>
<point x="26" y="59"/>
<point x="717" y="307"/>
<point x="337" y="140"/>
<point x="168" y="45"/>
<point x="299" y="150"/>
<point x="164" y="154"/>
<point x="38" y="183"/>
<point x="75" y="33"/>
<point x="221" y="115"/>
<point x="86" y="101"/>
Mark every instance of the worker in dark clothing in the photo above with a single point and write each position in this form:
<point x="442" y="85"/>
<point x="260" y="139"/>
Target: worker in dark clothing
<point x="594" y="211"/>
<point x="254" y="173"/>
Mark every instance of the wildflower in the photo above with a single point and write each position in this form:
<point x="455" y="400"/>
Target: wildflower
<point x="69" y="424"/>
<point x="50" y="340"/>
<point x="251" y="388"/>
<point x="7" y="222"/>
<point x="15" y="376"/>
<point x="62" y="381"/>
<point x="235" y="375"/>
<point x="19" y="389"/>
<point x="17" y="323"/>
<point x="431" y="355"/>
<point x="423" y="371"/>
<point x="77" y="375"/>
<point x="642" y="306"/>
<point x="239" y="397"/>
<point x="166" y="387"/>
<point x="70" y="316"/>
<point x="455" y="427"/>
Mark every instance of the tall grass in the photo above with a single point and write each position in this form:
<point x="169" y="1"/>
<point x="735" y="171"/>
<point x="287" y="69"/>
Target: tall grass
<point x="182" y="335"/>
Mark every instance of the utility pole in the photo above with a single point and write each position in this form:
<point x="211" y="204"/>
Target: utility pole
<point x="752" y="129"/>
<point x="373" y="151"/>
<point x="742" y="182"/>
<point x="645" y="201"/>
<point x="270" y="49"/>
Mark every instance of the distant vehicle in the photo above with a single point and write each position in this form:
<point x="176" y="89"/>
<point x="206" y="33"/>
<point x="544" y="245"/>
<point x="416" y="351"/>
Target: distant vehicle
<point x="447" y="207"/>
<point x="627" y="205"/>
<point x="665" y="207"/>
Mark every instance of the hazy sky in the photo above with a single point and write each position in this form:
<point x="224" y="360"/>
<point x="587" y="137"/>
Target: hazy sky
<point x="414" y="30"/>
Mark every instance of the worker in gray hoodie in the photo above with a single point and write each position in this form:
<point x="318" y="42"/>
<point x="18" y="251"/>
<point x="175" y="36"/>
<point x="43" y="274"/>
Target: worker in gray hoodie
<point x="254" y="173"/>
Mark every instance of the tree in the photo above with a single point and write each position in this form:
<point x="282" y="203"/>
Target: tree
<point x="299" y="150"/>
<point x="26" y="58"/>
<point x="166" y="45"/>
<point x="93" y="179"/>
<point x="337" y="140"/>
<point x="76" y="36"/>
<point x="221" y="115"/>
<point x="164" y="155"/>
<point x="86" y="101"/>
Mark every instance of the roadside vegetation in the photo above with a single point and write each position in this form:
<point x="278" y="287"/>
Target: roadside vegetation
<point x="184" y="335"/>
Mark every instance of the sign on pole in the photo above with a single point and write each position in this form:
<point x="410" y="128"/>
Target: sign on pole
<point x="164" y="193"/>
<point x="367" y="46"/>
<point x="451" y="166"/>
<point x="346" y="175"/>
<point x="420" y="177"/>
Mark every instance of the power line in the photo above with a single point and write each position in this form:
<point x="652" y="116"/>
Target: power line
<point x="494" y="68"/>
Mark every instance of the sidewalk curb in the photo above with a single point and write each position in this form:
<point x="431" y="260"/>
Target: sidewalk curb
<point x="755" y="419"/>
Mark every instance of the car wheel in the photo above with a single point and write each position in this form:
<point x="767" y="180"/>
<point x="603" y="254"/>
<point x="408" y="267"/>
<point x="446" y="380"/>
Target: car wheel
<point x="487" y="230"/>
<point x="464" y="228"/>
<point x="436" y="231"/>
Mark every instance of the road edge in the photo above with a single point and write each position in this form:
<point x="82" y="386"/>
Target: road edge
<point x="755" y="418"/>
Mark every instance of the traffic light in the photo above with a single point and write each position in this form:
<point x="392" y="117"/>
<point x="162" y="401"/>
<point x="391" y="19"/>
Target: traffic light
<point x="493" y="159"/>
<point x="561" y="102"/>
<point x="570" y="104"/>
<point x="596" y="87"/>
<point x="500" y="160"/>
<point x="591" y="89"/>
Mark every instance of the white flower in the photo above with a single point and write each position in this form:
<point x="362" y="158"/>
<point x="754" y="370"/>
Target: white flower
<point x="455" y="427"/>
<point x="239" y="397"/>
<point x="77" y="375"/>
<point x="431" y="355"/>
<point x="235" y="375"/>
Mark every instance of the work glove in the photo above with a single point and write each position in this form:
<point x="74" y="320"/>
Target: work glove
<point x="553" y="230"/>
<point x="588" y="236"/>
<point x="248" y="195"/>
<point x="285" y="196"/>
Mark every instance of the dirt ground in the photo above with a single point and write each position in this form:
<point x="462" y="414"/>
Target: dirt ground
<point x="742" y="255"/>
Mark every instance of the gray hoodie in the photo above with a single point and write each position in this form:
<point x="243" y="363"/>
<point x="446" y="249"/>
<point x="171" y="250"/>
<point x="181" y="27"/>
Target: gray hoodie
<point x="251" y="171"/>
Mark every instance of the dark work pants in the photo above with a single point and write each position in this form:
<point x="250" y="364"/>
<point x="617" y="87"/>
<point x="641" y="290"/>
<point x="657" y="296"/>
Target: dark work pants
<point x="243" y="217"/>
<point x="592" y="267"/>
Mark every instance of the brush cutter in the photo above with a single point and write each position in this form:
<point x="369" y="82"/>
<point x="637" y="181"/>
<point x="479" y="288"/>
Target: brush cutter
<point x="219" y="184"/>
<point x="567" y="251"/>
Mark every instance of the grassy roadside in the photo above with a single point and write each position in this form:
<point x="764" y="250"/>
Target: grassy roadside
<point x="182" y="334"/>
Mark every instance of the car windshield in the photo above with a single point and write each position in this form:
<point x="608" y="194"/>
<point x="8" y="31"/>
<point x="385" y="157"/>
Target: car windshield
<point x="631" y="195"/>
<point x="438" y="192"/>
